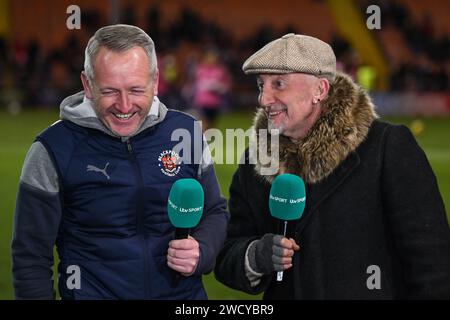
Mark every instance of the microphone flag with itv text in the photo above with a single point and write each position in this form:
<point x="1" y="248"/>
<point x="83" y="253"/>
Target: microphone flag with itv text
<point x="287" y="200"/>
<point x="185" y="206"/>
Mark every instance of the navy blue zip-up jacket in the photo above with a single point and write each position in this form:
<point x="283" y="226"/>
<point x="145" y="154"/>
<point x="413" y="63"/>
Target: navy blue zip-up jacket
<point x="106" y="212"/>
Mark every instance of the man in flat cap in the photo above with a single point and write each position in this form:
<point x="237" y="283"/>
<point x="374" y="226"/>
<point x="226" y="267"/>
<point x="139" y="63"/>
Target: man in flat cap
<point x="374" y="225"/>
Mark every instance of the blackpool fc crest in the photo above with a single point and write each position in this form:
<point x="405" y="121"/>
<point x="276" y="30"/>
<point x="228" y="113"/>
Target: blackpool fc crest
<point x="168" y="163"/>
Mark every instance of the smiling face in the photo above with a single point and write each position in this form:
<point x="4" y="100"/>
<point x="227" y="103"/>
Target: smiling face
<point x="122" y="90"/>
<point x="289" y="101"/>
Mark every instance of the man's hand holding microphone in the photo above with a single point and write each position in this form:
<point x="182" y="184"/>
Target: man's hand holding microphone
<point x="185" y="209"/>
<point x="183" y="255"/>
<point x="273" y="252"/>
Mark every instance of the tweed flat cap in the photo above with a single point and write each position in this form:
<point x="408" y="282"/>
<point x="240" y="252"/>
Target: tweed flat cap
<point x="294" y="53"/>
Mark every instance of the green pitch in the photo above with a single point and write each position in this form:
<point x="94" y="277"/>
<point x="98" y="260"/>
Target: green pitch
<point x="17" y="134"/>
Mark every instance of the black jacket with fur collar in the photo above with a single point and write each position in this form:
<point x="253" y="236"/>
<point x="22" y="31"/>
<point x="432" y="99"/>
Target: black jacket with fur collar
<point x="373" y="207"/>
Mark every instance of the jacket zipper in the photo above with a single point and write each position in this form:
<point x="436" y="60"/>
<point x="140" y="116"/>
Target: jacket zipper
<point x="140" y="215"/>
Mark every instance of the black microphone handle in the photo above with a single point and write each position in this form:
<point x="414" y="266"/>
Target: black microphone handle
<point x="286" y="229"/>
<point x="181" y="233"/>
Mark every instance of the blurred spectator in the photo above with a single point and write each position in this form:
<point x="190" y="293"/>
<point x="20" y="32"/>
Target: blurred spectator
<point x="154" y="27"/>
<point x="168" y="91"/>
<point x="56" y="84"/>
<point x="341" y="49"/>
<point x="211" y="87"/>
<point x="367" y="77"/>
<point x="128" y="15"/>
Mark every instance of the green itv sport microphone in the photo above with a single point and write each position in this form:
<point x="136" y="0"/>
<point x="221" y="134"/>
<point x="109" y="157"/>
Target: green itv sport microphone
<point x="185" y="206"/>
<point x="287" y="201"/>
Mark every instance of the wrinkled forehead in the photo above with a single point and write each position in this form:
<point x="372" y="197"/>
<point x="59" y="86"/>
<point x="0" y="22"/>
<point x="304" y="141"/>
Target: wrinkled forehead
<point x="107" y="58"/>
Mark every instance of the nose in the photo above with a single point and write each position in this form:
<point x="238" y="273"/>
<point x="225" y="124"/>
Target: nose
<point x="124" y="104"/>
<point x="266" y="97"/>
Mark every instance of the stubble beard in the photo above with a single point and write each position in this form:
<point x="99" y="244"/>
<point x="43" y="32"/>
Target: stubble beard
<point x="274" y="129"/>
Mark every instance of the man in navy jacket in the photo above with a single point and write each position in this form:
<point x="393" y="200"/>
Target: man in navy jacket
<point x="96" y="183"/>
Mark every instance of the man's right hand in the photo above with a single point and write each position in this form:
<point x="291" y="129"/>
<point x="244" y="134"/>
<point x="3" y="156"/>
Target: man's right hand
<point x="272" y="253"/>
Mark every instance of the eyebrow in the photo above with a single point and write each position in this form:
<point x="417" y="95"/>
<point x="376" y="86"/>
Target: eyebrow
<point x="138" y="87"/>
<point x="131" y="88"/>
<point x="282" y="76"/>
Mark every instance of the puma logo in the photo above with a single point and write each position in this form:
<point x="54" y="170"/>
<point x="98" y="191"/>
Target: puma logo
<point x="90" y="167"/>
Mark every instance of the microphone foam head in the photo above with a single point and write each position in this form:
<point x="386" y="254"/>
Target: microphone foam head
<point x="185" y="203"/>
<point x="287" y="197"/>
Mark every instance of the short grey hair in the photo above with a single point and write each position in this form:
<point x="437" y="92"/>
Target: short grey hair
<point x="118" y="38"/>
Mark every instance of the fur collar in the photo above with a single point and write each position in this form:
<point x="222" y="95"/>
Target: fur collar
<point x="346" y="116"/>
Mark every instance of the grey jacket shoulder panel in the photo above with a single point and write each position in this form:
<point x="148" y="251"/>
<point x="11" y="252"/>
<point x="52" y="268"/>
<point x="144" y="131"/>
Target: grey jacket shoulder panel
<point x="38" y="170"/>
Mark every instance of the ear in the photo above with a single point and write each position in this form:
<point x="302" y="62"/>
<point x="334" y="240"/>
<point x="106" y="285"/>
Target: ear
<point x="156" y="82"/>
<point x="323" y="87"/>
<point x="86" y="85"/>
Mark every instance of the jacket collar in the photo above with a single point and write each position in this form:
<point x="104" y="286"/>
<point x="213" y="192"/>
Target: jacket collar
<point x="343" y="125"/>
<point x="80" y="110"/>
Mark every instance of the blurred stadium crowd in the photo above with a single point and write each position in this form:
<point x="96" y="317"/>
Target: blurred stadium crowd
<point x="417" y="53"/>
<point x="425" y="64"/>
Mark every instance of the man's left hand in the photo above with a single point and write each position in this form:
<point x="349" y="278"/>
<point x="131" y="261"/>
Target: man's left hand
<point x="183" y="255"/>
